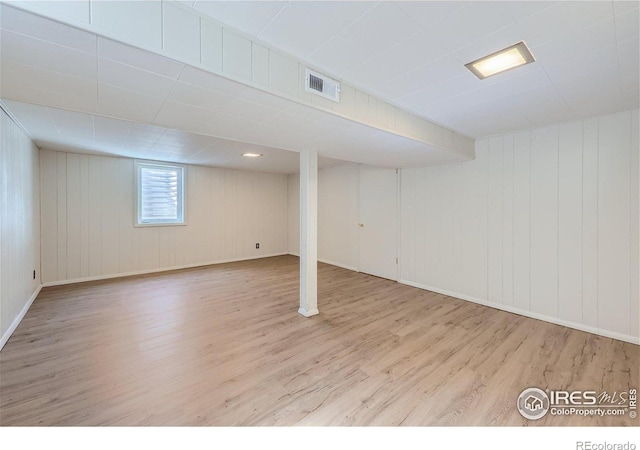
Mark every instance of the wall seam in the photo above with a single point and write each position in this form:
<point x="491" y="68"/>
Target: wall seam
<point x="558" y="224"/>
<point x="597" y="291"/>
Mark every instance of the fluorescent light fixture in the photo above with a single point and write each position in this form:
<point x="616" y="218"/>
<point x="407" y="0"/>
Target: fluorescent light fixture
<point x="506" y="59"/>
<point x="252" y="155"/>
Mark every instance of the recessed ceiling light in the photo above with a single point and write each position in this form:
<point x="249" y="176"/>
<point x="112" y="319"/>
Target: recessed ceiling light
<point x="506" y="59"/>
<point x="252" y="155"/>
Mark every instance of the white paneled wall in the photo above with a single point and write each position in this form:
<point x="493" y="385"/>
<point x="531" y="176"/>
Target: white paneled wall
<point x="542" y="223"/>
<point x="88" y="219"/>
<point x="19" y="225"/>
<point x="338" y="233"/>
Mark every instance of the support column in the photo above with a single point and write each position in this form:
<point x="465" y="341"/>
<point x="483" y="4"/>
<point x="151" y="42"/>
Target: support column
<point x="308" y="233"/>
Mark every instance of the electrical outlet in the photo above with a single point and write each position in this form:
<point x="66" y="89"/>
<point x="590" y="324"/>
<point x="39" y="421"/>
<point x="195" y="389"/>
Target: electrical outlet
<point x="257" y="245"/>
<point x="34" y="274"/>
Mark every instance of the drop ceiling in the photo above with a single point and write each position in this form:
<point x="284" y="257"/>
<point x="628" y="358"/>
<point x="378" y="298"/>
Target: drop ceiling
<point x="62" y="130"/>
<point x="413" y="54"/>
<point x="65" y="69"/>
<point x="409" y="53"/>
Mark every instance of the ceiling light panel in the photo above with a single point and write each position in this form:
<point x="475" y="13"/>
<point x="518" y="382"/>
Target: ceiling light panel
<point x="506" y="59"/>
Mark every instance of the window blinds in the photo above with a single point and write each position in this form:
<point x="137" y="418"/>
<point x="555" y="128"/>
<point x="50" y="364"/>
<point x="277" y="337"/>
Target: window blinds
<point x="160" y="194"/>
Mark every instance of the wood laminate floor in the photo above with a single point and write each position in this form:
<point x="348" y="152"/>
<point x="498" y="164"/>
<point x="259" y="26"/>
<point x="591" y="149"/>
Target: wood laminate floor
<point x="224" y="345"/>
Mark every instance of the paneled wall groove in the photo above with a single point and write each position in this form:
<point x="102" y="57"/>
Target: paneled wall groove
<point x="19" y="225"/>
<point x="561" y="208"/>
<point x="88" y="219"/>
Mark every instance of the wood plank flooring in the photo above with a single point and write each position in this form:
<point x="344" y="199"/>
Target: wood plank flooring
<point x="224" y="345"/>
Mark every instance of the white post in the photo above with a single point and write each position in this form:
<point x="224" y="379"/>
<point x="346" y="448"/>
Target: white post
<point x="308" y="233"/>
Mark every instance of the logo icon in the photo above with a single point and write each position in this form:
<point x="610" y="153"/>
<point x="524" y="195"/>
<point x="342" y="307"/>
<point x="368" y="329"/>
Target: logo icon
<point x="533" y="403"/>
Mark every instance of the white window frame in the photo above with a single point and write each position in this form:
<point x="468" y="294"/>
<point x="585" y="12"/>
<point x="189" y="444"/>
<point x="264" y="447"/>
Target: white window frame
<point x="182" y="198"/>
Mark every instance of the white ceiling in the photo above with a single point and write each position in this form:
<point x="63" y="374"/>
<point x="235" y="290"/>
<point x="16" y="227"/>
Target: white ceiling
<point x="413" y="54"/>
<point x="59" y="129"/>
<point x="51" y="64"/>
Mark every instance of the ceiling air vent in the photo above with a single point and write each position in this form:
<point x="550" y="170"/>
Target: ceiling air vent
<point x="322" y="85"/>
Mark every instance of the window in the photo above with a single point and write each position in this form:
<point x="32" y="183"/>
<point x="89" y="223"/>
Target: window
<point x="160" y="193"/>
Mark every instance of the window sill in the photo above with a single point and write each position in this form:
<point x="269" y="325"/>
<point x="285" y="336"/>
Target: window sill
<point x="145" y="225"/>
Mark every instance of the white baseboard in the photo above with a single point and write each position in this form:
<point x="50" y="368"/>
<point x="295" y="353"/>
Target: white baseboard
<point x="162" y="269"/>
<point x="533" y="315"/>
<point x="331" y="263"/>
<point x="344" y="266"/>
<point x="5" y="337"/>
<point x="23" y="312"/>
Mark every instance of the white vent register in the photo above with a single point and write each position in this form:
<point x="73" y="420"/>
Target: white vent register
<point x="322" y="85"/>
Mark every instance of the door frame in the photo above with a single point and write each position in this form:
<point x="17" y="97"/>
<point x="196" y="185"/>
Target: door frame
<point x="397" y="236"/>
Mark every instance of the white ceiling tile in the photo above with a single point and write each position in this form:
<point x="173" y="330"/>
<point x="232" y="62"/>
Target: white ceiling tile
<point x="144" y="133"/>
<point x="74" y="128"/>
<point x="18" y="77"/>
<point x="210" y="81"/>
<point x="142" y="137"/>
<point x="265" y="99"/>
<point x="59" y="100"/>
<point x="45" y="55"/>
<point x="428" y="13"/>
<point x="515" y="82"/>
<point x="283" y="121"/>
<point x="376" y="31"/>
<point x="312" y="22"/>
<point x="38" y="27"/>
<point x="111" y="132"/>
<point x="433" y="73"/>
<point x="133" y="79"/>
<point x="474" y="21"/>
<point x="141" y="59"/>
<point x="177" y="115"/>
<point x="227" y="126"/>
<point x="200" y="97"/>
<point x="542" y="106"/>
<point x="585" y="40"/>
<point x="521" y="10"/>
<point x="440" y="92"/>
<point x="138" y="112"/>
<point x="602" y="100"/>
<point x="114" y="101"/>
<point x="185" y="139"/>
<point x="563" y="19"/>
<point x="247" y="16"/>
<point x="34" y="118"/>
<point x="398" y="60"/>
<point x="604" y="59"/>
<point x="493" y="118"/>
<point x="244" y="109"/>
